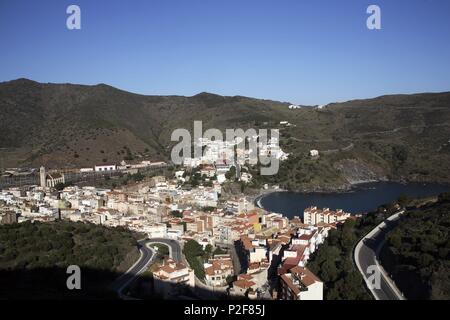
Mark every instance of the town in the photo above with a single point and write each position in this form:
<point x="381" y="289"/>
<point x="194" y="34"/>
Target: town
<point x="255" y="254"/>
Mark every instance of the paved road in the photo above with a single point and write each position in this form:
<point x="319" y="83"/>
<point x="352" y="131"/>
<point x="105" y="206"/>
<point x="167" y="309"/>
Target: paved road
<point x="366" y="255"/>
<point x="144" y="261"/>
<point x="174" y="247"/>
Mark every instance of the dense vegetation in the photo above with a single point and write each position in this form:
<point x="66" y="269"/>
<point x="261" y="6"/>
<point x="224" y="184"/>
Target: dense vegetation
<point x="300" y="172"/>
<point x="417" y="252"/>
<point x="333" y="261"/>
<point x="162" y="252"/>
<point x="34" y="258"/>
<point x="196" y="256"/>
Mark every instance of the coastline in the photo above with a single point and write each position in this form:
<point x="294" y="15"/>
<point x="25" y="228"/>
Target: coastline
<point x="264" y="192"/>
<point x="348" y="189"/>
<point x="355" y="187"/>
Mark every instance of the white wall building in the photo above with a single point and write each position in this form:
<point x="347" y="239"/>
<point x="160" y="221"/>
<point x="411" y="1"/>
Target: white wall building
<point x="158" y="230"/>
<point x="105" y="167"/>
<point x="301" y="284"/>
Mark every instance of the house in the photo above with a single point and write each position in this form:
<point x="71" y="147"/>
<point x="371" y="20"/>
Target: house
<point x="157" y="230"/>
<point x="314" y="153"/>
<point x="296" y="255"/>
<point x="308" y="237"/>
<point x="170" y="276"/>
<point x="243" y="285"/>
<point x="218" y="269"/>
<point x="252" y="249"/>
<point x="300" y="284"/>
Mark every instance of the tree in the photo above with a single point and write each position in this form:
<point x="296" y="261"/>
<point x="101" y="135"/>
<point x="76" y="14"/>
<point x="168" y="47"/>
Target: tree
<point x="176" y="214"/>
<point x="231" y="174"/>
<point x="207" y="252"/>
<point x="219" y="251"/>
<point x="230" y="279"/>
<point x="193" y="248"/>
<point x="329" y="271"/>
<point x="194" y="255"/>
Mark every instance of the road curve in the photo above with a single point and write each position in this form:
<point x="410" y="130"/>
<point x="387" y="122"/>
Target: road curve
<point x="366" y="255"/>
<point x="174" y="247"/>
<point x="147" y="254"/>
<point x="146" y="257"/>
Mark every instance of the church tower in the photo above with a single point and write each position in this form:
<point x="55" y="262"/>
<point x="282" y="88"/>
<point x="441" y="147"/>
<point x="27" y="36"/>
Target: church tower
<point x="42" y="177"/>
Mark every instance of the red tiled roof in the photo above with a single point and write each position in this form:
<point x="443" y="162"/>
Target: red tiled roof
<point x="307" y="277"/>
<point x="244" y="284"/>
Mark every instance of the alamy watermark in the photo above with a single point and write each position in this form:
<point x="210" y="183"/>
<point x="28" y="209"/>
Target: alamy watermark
<point x="373" y="277"/>
<point x="240" y="147"/>
<point x="74" y="280"/>
<point x="374" y="20"/>
<point x="73" y="21"/>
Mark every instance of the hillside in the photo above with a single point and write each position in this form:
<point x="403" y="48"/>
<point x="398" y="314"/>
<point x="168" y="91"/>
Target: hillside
<point x="399" y="137"/>
<point x="34" y="258"/>
<point x="417" y="252"/>
<point x="74" y="125"/>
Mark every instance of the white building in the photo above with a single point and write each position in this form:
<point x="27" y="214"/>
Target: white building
<point x="314" y="153"/>
<point x="105" y="167"/>
<point x="170" y="276"/>
<point x="301" y="284"/>
<point x="314" y="216"/>
<point x="157" y="230"/>
<point x="218" y="269"/>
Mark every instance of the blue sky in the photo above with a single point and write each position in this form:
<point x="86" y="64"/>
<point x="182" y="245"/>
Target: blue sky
<point x="301" y="51"/>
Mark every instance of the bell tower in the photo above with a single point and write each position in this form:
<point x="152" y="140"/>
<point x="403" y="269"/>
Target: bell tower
<point x="42" y="176"/>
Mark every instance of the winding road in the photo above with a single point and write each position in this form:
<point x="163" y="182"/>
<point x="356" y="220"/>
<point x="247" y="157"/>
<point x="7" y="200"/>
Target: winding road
<point x="366" y="256"/>
<point x="144" y="261"/>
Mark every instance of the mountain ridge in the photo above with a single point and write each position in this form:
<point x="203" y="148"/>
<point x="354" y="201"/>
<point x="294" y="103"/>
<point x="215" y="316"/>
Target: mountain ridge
<point x="70" y="125"/>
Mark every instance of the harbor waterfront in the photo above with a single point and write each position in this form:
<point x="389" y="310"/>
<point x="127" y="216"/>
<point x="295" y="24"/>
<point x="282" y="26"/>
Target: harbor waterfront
<point x="363" y="198"/>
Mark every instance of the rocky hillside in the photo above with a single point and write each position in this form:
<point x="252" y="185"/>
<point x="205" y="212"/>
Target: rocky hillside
<point x="402" y="137"/>
<point x="74" y="125"/>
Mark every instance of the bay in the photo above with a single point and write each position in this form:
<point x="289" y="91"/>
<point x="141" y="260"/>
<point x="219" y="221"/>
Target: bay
<point x="364" y="198"/>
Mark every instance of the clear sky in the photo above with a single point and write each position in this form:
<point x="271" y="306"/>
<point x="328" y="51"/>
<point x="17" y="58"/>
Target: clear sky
<point x="301" y="51"/>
